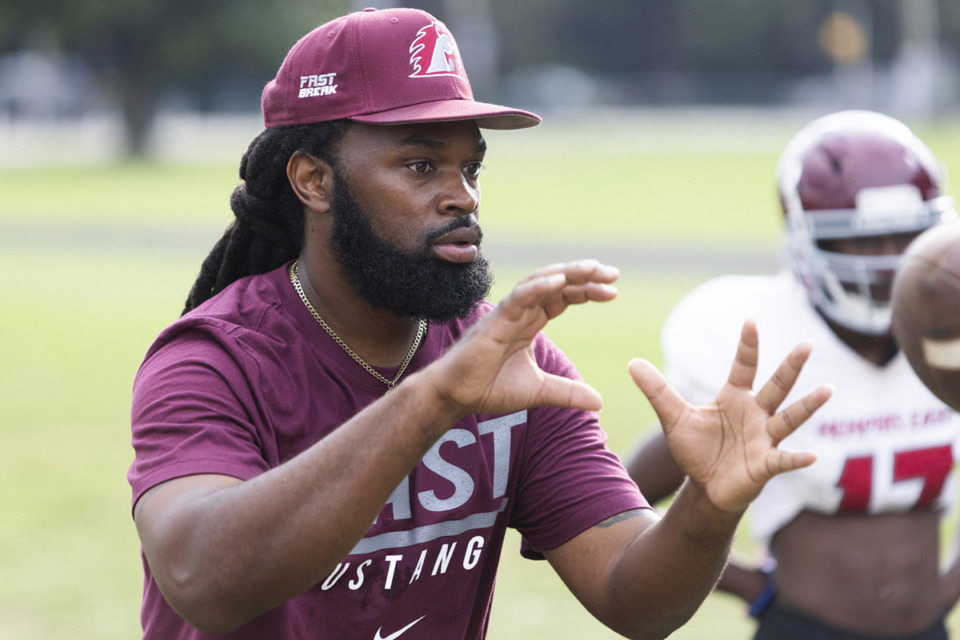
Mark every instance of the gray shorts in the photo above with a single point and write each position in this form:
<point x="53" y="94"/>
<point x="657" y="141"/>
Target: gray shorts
<point x="778" y="623"/>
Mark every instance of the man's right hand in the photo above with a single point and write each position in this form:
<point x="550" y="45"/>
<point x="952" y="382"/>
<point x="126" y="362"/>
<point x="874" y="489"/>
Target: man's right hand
<point x="492" y="369"/>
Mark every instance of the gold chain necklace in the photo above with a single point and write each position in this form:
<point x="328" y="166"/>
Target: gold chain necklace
<point x="421" y="330"/>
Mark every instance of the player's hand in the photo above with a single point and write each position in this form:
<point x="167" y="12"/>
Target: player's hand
<point x="729" y="448"/>
<point x="492" y="369"/>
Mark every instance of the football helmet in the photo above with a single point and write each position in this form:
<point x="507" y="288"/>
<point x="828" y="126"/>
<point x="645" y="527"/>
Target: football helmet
<point x="850" y="175"/>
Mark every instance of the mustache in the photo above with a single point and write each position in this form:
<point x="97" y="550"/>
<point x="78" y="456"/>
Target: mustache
<point x="465" y="222"/>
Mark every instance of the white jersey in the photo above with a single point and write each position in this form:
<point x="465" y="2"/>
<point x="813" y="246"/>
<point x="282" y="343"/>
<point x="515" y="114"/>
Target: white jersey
<point x="884" y="442"/>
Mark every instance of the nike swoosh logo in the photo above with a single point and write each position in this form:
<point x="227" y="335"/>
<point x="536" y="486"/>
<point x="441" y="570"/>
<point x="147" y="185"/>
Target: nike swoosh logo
<point x="396" y="634"/>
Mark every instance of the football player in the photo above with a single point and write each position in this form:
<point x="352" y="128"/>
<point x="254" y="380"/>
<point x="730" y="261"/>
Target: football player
<point x="851" y="542"/>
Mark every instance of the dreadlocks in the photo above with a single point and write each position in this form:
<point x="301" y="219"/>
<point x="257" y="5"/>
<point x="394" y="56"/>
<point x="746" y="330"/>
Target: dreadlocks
<point x="268" y="229"/>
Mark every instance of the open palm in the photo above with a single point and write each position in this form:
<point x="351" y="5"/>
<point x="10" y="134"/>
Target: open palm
<point x="730" y="447"/>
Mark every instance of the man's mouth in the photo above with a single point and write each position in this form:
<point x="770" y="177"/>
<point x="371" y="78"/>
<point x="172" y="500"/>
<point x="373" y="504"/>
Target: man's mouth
<point x="460" y="245"/>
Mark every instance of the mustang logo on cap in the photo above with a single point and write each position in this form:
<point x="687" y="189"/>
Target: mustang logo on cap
<point x="435" y="46"/>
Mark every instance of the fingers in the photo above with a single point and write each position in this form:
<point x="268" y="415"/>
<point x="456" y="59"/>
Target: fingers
<point x="541" y="297"/>
<point x="586" y="281"/>
<point x="534" y="289"/>
<point x="666" y="402"/>
<point x="559" y="391"/>
<point x="580" y="271"/>
<point x="557" y="286"/>
<point x="788" y="420"/>
<point x="779" y="461"/>
<point x="779" y="385"/>
<point x="744" y="368"/>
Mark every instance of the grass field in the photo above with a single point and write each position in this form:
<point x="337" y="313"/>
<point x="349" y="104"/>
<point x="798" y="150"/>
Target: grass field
<point x="98" y="259"/>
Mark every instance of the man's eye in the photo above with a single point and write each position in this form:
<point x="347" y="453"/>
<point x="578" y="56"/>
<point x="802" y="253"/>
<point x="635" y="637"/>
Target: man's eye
<point x="420" y="167"/>
<point x="473" y="169"/>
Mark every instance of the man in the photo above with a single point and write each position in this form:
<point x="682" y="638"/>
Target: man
<point x="333" y="439"/>
<point x="853" y="539"/>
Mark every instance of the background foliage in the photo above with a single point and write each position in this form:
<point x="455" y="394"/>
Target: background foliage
<point x="216" y="55"/>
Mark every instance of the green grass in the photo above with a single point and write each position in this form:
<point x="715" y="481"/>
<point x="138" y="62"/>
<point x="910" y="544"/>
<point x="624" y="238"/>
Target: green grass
<point x="128" y="193"/>
<point x="74" y="327"/>
<point x="77" y="319"/>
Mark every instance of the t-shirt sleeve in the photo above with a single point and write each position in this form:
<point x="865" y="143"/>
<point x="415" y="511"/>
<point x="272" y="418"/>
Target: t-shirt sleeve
<point x="570" y="480"/>
<point x="194" y="410"/>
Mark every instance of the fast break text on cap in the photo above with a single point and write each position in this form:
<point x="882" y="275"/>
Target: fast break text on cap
<point x="317" y="85"/>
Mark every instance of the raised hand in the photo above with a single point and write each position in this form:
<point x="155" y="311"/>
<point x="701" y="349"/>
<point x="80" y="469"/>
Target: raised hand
<point x="492" y="368"/>
<point x="729" y="447"/>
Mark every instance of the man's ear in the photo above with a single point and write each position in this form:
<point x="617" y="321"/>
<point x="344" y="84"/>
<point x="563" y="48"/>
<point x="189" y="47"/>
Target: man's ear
<point x="312" y="180"/>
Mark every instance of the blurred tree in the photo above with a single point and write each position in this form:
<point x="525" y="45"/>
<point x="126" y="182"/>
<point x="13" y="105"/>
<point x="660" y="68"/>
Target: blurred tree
<point x="219" y="53"/>
<point x="950" y="23"/>
<point x="142" y="49"/>
<point x="739" y="50"/>
<point x="655" y="35"/>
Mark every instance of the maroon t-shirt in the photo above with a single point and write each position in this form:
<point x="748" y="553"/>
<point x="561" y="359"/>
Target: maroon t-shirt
<point x="250" y="379"/>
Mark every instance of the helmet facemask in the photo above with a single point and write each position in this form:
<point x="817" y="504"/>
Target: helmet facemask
<point x="853" y="289"/>
<point x="856" y="178"/>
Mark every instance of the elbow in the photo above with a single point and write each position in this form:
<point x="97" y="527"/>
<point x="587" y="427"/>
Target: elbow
<point x="647" y="617"/>
<point x="644" y="620"/>
<point x="654" y="635"/>
<point x="201" y="603"/>
<point x="191" y="555"/>
<point x="213" y="624"/>
<point x="651" y="630"/>
<point x="212" y="621"/>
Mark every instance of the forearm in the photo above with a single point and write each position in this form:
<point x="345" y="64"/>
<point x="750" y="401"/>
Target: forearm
<point x="244" y="549"/>
<point x="950" y="577"/>
<point x="664" y="576"/>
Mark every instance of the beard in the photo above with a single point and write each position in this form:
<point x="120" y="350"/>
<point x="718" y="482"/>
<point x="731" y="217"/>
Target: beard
<point x="409" y="285"/>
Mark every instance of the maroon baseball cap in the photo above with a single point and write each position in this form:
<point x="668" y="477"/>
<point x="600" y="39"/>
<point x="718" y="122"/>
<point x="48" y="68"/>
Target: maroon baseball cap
<point x="390" y="66"/>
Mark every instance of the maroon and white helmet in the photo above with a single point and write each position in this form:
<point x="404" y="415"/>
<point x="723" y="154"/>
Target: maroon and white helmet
<point x="855" y="174"/>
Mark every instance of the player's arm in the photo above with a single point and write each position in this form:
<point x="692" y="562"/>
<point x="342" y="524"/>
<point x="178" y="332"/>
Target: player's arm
<point x="950" y="576"/>
<point x="754" y="585"/>
<point x="224" y="551"/>
<point x="645" y="577"/>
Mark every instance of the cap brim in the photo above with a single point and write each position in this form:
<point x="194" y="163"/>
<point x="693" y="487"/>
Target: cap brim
<point x="488" y="116"/>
